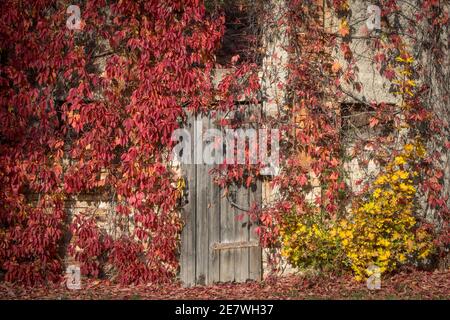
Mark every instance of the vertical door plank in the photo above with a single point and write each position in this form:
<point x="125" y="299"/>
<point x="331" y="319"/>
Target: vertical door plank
<point x="241" y="235"/>
<point x="255" y="254"/>
<point x="214" y="232"/>
<point x="188" y="234"/>
<point x="214" y="226"/>
<point x="202" y="210"/>
<point x="227" y="256"/>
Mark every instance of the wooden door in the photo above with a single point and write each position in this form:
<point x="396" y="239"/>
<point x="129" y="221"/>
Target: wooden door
<point x="215" y="246"/>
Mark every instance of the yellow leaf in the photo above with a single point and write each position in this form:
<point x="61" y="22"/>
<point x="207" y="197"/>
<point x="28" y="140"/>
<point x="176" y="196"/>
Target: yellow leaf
<point x="344" y="29"/>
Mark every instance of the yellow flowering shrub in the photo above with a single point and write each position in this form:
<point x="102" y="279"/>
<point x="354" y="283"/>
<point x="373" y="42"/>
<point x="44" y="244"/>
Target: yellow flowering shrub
<point x="382" y="231"/>
<point x="308" y="242"/>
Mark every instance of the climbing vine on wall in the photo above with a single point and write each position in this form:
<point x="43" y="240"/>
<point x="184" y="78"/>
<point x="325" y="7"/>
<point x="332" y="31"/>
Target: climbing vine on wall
<point x="93" y="111"/>
<point x="386" y="225"/>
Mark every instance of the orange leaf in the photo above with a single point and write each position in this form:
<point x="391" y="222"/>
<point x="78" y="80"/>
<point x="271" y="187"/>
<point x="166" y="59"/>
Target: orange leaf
<point x="373" y="122"/>
<point x="344" y="29"/>
<point x="336" y="67"/>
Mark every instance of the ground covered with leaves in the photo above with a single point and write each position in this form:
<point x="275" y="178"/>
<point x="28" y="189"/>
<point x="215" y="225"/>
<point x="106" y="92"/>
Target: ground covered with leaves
<point x="405" y="285"/>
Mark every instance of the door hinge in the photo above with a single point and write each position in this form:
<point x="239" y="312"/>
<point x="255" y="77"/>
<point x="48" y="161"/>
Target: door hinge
<point x="234" y="245"/>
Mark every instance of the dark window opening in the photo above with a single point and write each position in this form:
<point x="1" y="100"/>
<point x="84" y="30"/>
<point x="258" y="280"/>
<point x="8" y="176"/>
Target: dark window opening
<point x="358" y="119"/>
<point x="242" y="36"/>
